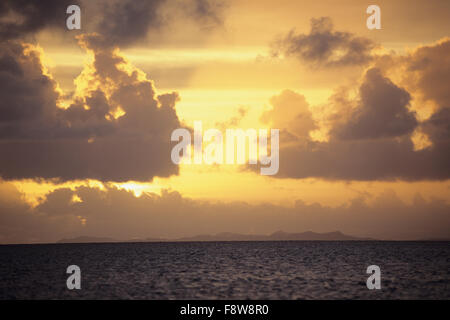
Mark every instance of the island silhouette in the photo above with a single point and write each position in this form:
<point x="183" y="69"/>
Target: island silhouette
<point x="229" y="236"/>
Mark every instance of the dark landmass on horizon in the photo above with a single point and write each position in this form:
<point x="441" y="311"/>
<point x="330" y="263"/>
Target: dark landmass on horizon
<point x="229" y="236"/>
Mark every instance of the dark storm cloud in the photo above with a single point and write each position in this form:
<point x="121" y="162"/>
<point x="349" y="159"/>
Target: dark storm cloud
<point x="100" y="212"/>
<point x="84" y="141"/>
<point x="324" y="47"/>
<point x="19" y="18"/>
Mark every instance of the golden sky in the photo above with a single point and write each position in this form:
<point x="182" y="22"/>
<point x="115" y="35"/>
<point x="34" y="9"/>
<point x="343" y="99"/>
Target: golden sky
<point x="367" y="110"/>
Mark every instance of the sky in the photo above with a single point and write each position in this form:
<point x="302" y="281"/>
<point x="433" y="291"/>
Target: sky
<point x="86" y="118"/>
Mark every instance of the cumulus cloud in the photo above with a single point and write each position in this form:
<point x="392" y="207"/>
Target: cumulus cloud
<point x="117" y="127"/>
<point x="428" y="71"/>
<point x="28" y="93"/>
<point x="325" y="47"/>
<point x="370" y="136"/>
<point x="427" y="74"/>
<point x="117" y="213"/>
<point x="290" y="112"/>
<point x="382" y="111"/>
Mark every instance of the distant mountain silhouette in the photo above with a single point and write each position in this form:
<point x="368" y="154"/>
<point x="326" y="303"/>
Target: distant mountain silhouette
<point x="85" y="239"/>
<point x="228" y="236"/>
<point x="434" y="239"/>
<point x="276" y="236"/>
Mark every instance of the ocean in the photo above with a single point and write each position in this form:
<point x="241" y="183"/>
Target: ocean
<point x="227" y="270"/>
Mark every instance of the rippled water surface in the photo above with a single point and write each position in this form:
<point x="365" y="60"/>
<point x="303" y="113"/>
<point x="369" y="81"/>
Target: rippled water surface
<point x="227" y="270"/>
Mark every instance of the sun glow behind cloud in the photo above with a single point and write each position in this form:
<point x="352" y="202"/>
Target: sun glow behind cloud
<point x="227" y="77"/>
<point x="212" y="106"/>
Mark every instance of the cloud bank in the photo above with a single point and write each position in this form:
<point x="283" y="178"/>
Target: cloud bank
<point x="117" y="213"/>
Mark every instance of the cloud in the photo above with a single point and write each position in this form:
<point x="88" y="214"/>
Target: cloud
<point x="290" y="112"/>
<point x="233" y="121"/>
<point x="116" y="129"/>
<point x="382" y="111"/>
<point x="208" y="12"/>
<point x="19" y="222"/>
<point x="20" y="18"/>
<point x="370" y="135"/>
<point x="101" y="213"/>
<point x="427" y="74"/>
<point x="428" y="71"/>
<point x="324" y="47"/>
<point x="438" y="126"/>
<point x="117" y="126"/>
<point x="121" y="22"/>
<point x="125" y="22"/>
<point x="28" y="93"/>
